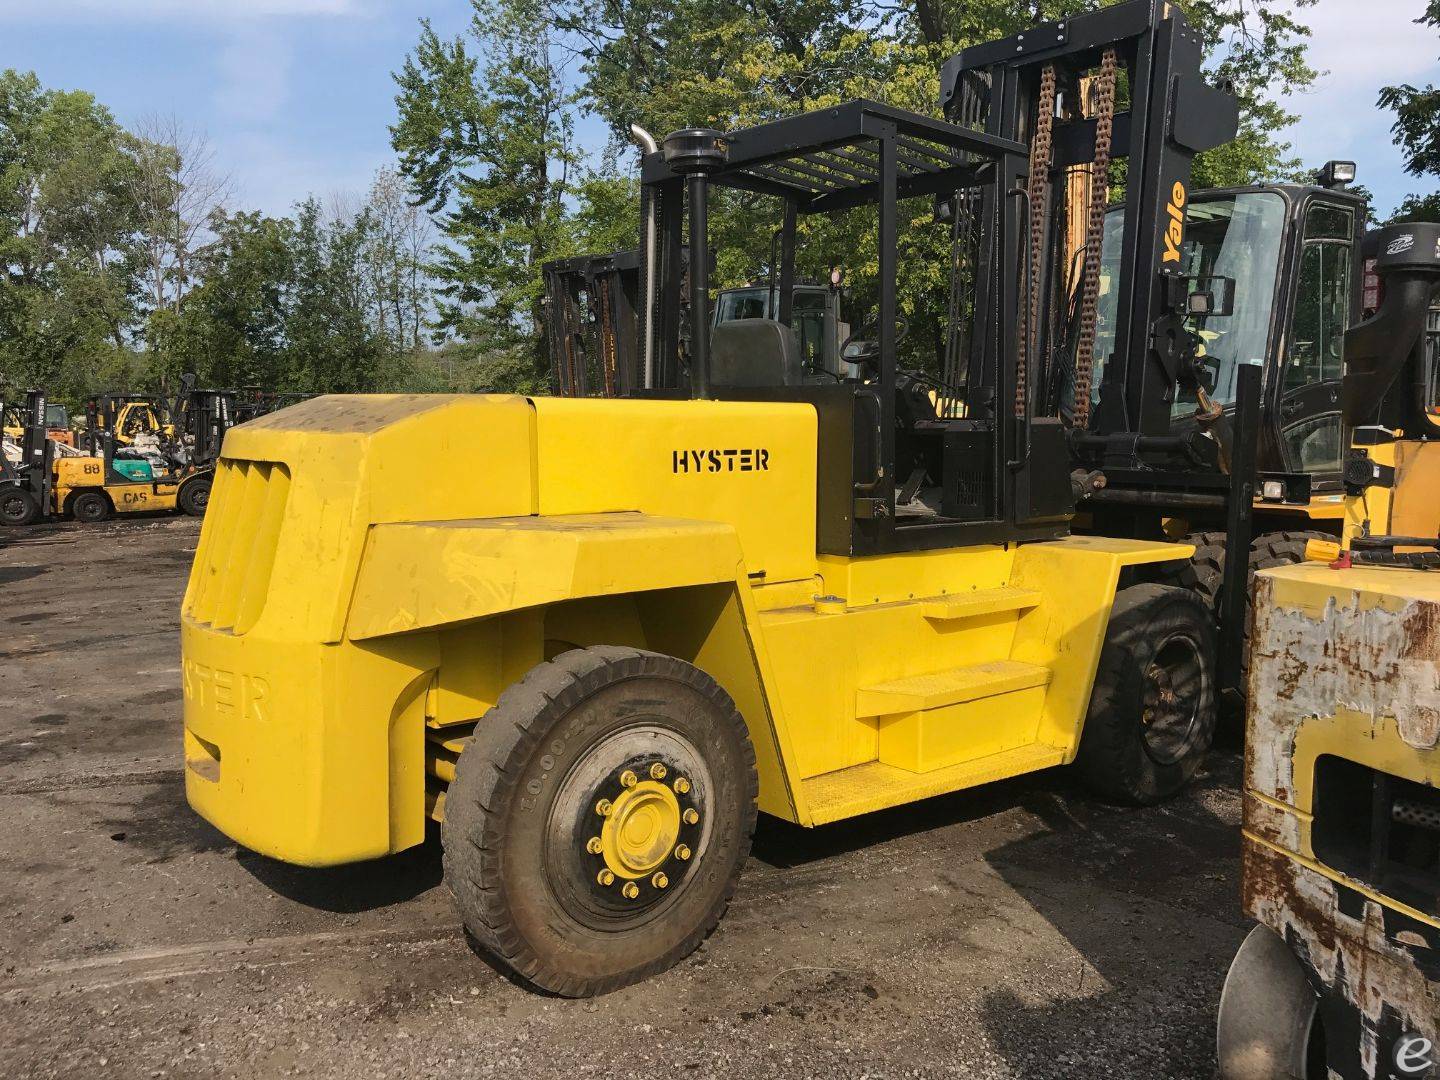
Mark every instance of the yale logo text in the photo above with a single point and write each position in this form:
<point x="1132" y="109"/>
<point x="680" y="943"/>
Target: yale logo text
<point x="714" y="461"/>
<point x="1175" y="228"/>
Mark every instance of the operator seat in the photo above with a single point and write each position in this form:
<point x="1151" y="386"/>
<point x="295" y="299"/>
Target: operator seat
<point x="755" y="352"/>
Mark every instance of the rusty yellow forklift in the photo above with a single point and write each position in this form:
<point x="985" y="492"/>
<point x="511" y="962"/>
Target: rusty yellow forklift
<point x="593" y="642"/>
<point x="1342" y="817"/>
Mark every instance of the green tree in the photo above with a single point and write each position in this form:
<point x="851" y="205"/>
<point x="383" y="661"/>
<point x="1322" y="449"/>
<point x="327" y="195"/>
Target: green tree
<point x="485" y="135"/>
<point x="231" y="330"/>
<point x="69" y="295"/>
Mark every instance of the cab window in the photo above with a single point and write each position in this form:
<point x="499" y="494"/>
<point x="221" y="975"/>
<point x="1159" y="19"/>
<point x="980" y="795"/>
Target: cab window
<point x="1322" y="298"/>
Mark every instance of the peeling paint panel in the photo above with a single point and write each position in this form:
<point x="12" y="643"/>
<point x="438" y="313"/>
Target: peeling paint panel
<point x="1344" y="664"/>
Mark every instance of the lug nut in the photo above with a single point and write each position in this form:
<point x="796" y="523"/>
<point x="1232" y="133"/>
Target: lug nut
<point x="660" y="881"/>
<point x="682" y="786"/>
<point x="606" y="877"/>
<point x="682" y="852"/>
<point x="630" y="890"/>
<point x="691" y="816"/>
<point x="657" y="771"/>
<point x="593" y="845"/>
<point x="628" y="779"/>
<point x="603" y="807"/>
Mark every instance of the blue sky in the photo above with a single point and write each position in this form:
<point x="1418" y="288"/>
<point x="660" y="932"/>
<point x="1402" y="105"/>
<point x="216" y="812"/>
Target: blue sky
<point x="296" y="95"/>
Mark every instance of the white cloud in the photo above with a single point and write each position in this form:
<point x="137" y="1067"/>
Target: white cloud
<point x="274" y="172"/>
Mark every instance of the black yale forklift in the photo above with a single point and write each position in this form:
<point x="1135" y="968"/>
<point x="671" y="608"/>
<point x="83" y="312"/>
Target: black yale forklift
<point x="594" y="643"/>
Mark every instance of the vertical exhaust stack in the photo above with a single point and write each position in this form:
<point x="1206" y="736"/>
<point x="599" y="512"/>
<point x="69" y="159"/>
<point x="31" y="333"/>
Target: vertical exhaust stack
<point x="648" y="145"/>
<point x="695" y="153"/>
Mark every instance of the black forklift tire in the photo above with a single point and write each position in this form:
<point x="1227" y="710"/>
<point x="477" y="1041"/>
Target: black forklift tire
<point x="598" y="821"/>
<point x="1152" y="712"/>
<point x="90" y="507"/>
<point x="1204" y="571"/>
<point x="194" y="496"/>
<point x="18" y="507"/>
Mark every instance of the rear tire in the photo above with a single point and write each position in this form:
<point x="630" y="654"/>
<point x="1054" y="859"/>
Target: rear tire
<point x="18" y="507"/>
<point x="575" y="900"/>
<point x="90" y="507"/>
<point x="194" y="496"/>
<point x="1152" y="712"/>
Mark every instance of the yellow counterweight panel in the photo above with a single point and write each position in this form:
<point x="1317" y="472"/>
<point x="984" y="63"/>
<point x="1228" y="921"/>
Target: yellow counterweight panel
<point x="1004" y="669"/>
<point x="313" y="754"/>
<point x="1412" y="506"/>
<point x="437" y="573"/>
<point x="1346" y="663"/>
<point x="751" y="464"/>
<point x="348" y="463"/>
<point x="1078" y="575"/>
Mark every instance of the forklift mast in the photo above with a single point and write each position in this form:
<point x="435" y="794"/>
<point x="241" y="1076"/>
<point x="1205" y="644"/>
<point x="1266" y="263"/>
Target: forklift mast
<point x="590" y="303"/>
<point x="1055" y="87"/>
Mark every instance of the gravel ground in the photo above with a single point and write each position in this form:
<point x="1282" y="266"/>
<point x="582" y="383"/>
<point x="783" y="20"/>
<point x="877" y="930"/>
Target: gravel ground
<point x="1015" y="931"/>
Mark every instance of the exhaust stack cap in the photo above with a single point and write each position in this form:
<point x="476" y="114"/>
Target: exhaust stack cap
<point x="695" y="150"/>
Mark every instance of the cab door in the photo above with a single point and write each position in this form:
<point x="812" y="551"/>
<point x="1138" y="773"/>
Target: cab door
<point x="1312" y="364"/>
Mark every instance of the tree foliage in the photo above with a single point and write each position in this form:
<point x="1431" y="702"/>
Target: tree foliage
<point x="126" y="263"/>
<point x="1417" y="132"/>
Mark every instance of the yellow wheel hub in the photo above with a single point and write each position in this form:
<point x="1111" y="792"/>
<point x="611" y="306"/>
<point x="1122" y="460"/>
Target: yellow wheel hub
<point x="641" y="829"/>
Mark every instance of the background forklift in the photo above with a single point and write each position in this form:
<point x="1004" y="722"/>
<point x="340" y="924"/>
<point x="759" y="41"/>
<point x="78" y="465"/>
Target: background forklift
<point x="128" y="418"/>
<point x="591" y="329"/>
<point x="174" y="474"/>
<point x="57" y="423"/>
<point x="1342" y="815"/>
<point x="592" y="644"/>
<point x="25" y="485"/>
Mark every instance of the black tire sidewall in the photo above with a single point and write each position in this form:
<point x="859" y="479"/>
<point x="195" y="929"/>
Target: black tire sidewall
<point x="90" y="498"/>
<point x="547" y="944"/>
<point x="31" y="509"/>
<point x="1113" y="757"/>
<point x="188" y="494"/>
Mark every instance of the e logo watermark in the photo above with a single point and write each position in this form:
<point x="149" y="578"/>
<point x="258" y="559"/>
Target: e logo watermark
<point x="1413" y="1055"/>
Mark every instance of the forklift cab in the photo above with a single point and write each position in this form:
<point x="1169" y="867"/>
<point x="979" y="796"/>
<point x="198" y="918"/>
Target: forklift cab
<point x="983" y="453"/>
<point x="1292" y="254"/>
<point x="814" y="315"/>
<point x="896" y="473"/>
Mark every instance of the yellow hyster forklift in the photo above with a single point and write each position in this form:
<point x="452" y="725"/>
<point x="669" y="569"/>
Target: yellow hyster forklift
<point x="593" y="642"/>
<point x="1342" y="816"/>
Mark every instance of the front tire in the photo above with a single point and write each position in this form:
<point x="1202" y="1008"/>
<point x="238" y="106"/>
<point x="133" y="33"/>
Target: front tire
<point x="18" y="507"/>
<point x="598" y="821"/>
<point x="1152" y="712"/>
